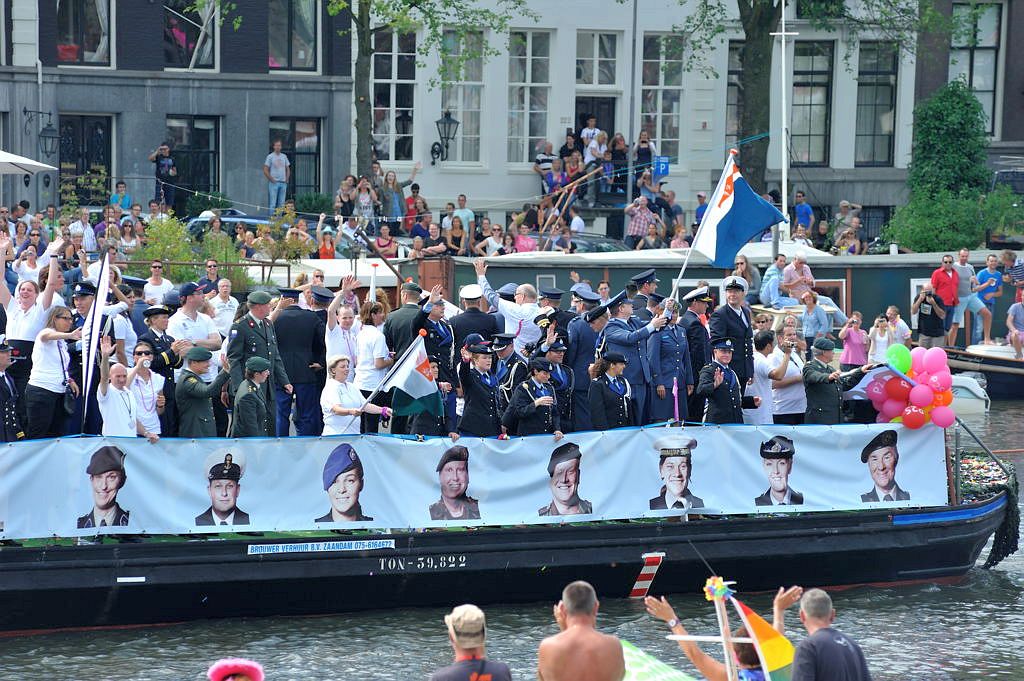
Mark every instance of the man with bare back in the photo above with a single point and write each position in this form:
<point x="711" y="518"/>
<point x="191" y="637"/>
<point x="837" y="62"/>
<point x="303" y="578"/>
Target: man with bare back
<point x="579" y="651"/>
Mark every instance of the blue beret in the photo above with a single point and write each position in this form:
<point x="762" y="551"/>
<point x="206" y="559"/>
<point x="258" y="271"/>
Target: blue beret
<point x="342" y="459"/>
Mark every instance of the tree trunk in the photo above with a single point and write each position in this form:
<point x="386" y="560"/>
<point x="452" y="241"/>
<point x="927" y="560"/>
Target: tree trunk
<point x="361" y="89"/>
<point x="759" y="19"/>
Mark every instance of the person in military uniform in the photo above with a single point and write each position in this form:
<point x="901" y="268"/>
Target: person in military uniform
<point x="300" y="343"/>
<point x="610" y="406"/>
<point x="167" y="356"/>
<point x="694" y="324"/>
<point x="671" y="371"/>
<point x="732" y="320"/>
<point x="224" y="472"/>
<point x="825" y="386"/>
<point x="440" y="343"/>
<point x="473" y="319"/>
<point x="560" y="319"/>
<point x="882" y="457"/>
<point x="721" y="386"/>
<point x="620" y="336"/>
<point x="675" y="459"/>
<point x="343" y="482"/>
<point x="583" y="333"/>
<point x="10" y="424"/>
<point x="777" y="461"/>
<point x="510" y="368"/>
<point x="534" y="407"/>
<point x="251" y="413"/>
<point x="453" y="473"/>
<point x="564" y="472"/>
<point x="563" y="379"/>
<point x="646" y="284"/>
<point x="426" y="423"/>
<point x="106" y="477"/>
<point x="481" y="414"/>
<point x="253" y="336"/>
<point x="192" y="395"/>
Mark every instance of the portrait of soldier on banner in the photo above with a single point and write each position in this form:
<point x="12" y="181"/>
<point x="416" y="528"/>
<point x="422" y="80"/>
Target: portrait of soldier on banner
<point x="882" y="457"/>
<point x="777" y="462"/>
<point x="675" y="466"/>
<point x="453" y="476"/>
<point x="564" y="474"/>
<point x="343" y="482"/>
<point x="106" y="478"/>
<point x="224" y="471"/>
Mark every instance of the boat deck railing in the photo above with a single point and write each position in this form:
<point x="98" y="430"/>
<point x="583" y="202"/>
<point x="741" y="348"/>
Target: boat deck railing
<point x="958" y="452"/>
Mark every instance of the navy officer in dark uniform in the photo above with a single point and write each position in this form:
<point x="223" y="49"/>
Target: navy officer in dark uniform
<point x="777" y="461"/>
<point x="453" y="474"/>
<point x="694" y="323"/>
<point x="583" y="333"/>
<point x="106" y="477"/>
<point x="440" y="343"/>
<point x="732" y="320"/>
<point x="509" y="367"/>
<point x="720" y="385"/>
<point x="301" y="346"/>
<point x="552" y="297"/>
<point x="224" y="472"/>
<point x="608" y="395"/>
<point x="621" y="336"/>
<point x="562" y="377"/>
<point x="473" y="319"/>
<point x="564" y="474"/>
<point x="167" y="356"/>
<point x="82" y="297"/>
<point x="481" y="415"/>
<point x="534" y="407"/>
<point x="343" y="482"/>
<point x="675" y="459"/>
<point x="10" y="425"/>
<point x="646" y="284"/>
<point x="671" y="371"/>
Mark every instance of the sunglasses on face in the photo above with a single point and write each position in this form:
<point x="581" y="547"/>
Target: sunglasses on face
<point x="35" y="234"/>
<point x="64" y="316"/>
<point x="156" y="267"/>
<point x="143" y="353"/>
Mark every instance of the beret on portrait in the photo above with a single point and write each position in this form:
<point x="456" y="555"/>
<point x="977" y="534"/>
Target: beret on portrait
<point x="453" y="453"/>
<point x="563" y="453"/>
<point x="887" y="438"/>
<point x="342" y="459"/>
<point x="105" y="459"/>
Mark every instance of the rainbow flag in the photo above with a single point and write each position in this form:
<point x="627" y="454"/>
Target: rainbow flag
<point x="774" y="649"/>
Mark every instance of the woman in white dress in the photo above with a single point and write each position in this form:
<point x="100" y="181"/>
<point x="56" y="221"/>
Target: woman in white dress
<point x="341" y="401"/>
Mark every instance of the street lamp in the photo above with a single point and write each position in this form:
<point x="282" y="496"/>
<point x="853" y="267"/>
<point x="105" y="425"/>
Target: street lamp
<point x="49" y="138"/>
<point x="446" y="129"/>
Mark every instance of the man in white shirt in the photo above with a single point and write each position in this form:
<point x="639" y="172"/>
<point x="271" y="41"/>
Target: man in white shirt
<point x="117" y="404"/>
<point x="156" y="286"/>
<point x="519" y="315"/>
<point x="188" y="323"/>
<point x="576" y="224"/>
<point x="466" y="215"/>
<point x="224" y="307"/>
<point x="590" y="132"/>
<point x="764" y="373"/>
<point x="88" y="233"/>
<point x="277" y="169"/>
<point x="789" y="399"/>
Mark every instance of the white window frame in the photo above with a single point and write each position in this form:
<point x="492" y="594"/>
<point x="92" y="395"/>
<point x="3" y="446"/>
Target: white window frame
<point x="319" y="30"/>
<point x="594" y="39"/>
<point x="527" y="143"/>
<point x="455" y="95"/>
<point x="660" y="89"/>
<point x="112" y="42"/>
<point x="394" y="82"/>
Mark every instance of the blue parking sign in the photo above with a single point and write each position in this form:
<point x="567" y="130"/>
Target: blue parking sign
<point x="660" y="166"/>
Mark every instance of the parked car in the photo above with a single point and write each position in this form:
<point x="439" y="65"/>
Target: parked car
<point x="585" y="243"/>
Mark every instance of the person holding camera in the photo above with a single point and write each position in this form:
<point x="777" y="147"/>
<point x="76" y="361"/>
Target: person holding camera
<point x="931" y="317"/>
<point x="166" y="174"/>
<point x="855" y="343"/>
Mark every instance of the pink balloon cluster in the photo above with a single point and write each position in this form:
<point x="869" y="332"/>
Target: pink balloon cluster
<point x="929" y="397"/>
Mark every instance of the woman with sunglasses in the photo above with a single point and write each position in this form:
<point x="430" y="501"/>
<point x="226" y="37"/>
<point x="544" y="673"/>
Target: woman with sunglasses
<point x="51" y="362"/>
<point x="148" y="387"/>
<point x="752" y="275"/>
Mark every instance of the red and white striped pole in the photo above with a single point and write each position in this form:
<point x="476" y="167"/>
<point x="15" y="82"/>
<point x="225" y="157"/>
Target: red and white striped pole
<point x="652" y="561"/>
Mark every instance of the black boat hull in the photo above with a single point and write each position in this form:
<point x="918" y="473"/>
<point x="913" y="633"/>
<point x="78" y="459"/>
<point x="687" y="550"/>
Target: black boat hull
<point x="1004" y="378"/>
<point x="150" y="582"/>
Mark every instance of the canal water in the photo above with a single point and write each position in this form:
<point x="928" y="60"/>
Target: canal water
<point x="971" y="630"/>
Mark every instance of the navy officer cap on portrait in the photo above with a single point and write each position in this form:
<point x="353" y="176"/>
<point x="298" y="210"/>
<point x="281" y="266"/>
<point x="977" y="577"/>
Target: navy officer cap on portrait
<point x="777" y="462"/>
<point x="882" y="457"/>
<point x="224" y="471"/>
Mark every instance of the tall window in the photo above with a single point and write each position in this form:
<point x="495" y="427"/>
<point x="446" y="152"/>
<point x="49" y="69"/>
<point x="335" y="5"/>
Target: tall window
<point x="85" y="157"/>
<point x="733" y="95"/>
<point x="189" y="35"/>
<point x="529" y="73"/>
<point x="811" y="114"/>
<point x="876" y="103"/>
<point x="595" y="58"/>
<point x="195" y="146"/>
<point x="394" y="89"/>
<point x="293" y="35"/>
<point x="662" y="91"/>
<point x="300" y="142"/>
<point x="974" y="53"/>
<point x="83" y="32"/>
<point x="463" y="97"/>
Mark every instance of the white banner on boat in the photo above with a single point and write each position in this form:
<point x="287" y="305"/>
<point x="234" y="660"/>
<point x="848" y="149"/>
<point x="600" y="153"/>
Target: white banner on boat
<point x="291" y="484"/>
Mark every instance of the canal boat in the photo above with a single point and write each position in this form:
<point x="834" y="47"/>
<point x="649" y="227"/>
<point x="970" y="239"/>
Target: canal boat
<point x="969" y="395"/>
<point x="1004" y="374"/>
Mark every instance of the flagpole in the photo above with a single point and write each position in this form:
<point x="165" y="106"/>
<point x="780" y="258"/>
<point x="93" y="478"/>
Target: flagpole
<point x="784" y="148"/>
<point x="93" y="326"/>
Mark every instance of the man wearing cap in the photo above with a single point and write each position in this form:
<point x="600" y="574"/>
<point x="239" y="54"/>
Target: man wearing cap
<point x="473" y="319"/>
<point x="777" y="461"/>
<point x="620" y="336"/>
<point x="106" y="477"/>
<point x="720" y="385"/>
<point x="167" y="356"/>
<point x="440" y="342"/>
<point x="702" y="207"/>
<point x="518" y="315"/>
<point x="192" y="394"/>
<point x="509" y="367"/>
<point x="301" y="345"/>
<point x="82" y="297"/>
<point x="10" y="424"/>
<point x="467" y="633"/>
<point x="882" y="457"/>
<point x="646" y="284"/>
<point x="825" y="386"/>
<point x="563" y="380"/>
<point x="671" y="371"/>
<point x="224" y="472"/>
<point x="583" y="334"/>
<point x="564" y="472"/>
<point x="253" y="336"/>
<point x="534" y="407"/>
<point x="552" y="297"/>
<point x="343" y="482"/>
<point x="251" y="413"/>
<point x="400" y="327"/>
<point x="453" y="473"/>
<point x="732" y="320"/>
<point x="675" y="460"/>
<point x="694" y="322"/>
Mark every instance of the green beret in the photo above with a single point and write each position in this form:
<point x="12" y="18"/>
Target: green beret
<point x="198" y="354"/>
<point x="258" y="298"/>
<point x="824" y="345"/>
<point x="257" y="364"/>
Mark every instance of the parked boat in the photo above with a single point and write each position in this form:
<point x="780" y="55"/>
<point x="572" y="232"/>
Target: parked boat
<point x="969" y="395"/>
<point x="1004" y="374"/>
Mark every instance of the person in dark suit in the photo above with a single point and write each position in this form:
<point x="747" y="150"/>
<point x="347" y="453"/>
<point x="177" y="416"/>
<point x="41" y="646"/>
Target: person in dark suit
<point x="671" y="373"/>
<point x="694" y="323"/>
<point x="453" y="474"/>
<point x="481" y="415"/>
<point x="608" y="396"/>
<point x="251" y="414"/>
<point x="509" y="368"/>
<point x="534" y="407"/>
<point x="732" y="320"/>
<point x="563" y="379"/>
<point x="440" y="343"/>
<point x="10" y="424"/>
<point x="777" y="461"/>
<point x="560" y="319"/>
<point x="400" y="329"/>
<point x="882" y="457"/>
<point x="224" y="472"/>
<point x="675" y="461"/>
<point x="300" y="341"/>
<point x="167" y="356"/>
<point x="719" y="384"/>
<point x="583" y="333"/>
<point x="473" y="319"/>
<point x="646" y="284"/>
<point x="253" y="336"/>
<point x="621" y="336"/>
<point x="343" y="482"/>
<point x="106" y="477"/>
<point x="825" y="386"/>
